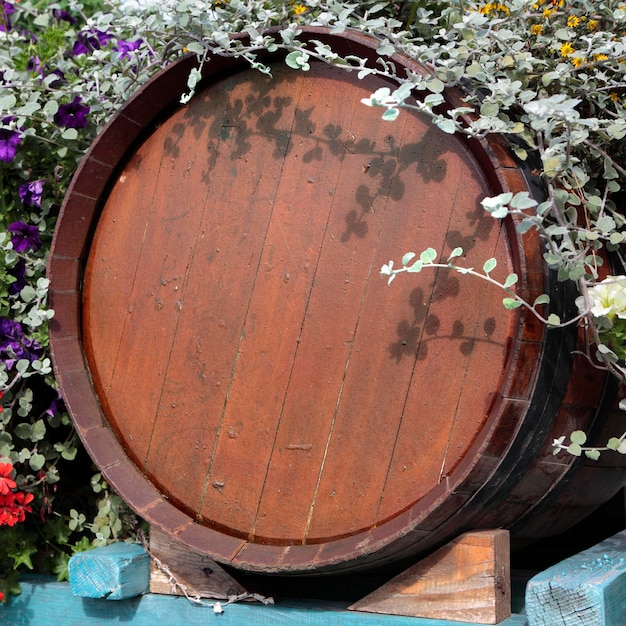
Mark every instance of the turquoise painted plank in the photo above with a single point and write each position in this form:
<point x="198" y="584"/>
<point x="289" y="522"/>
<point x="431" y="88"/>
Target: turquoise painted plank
<point x="44" y="602"/>
<point x="587" y="589"/>
<point x="115" y="572"/>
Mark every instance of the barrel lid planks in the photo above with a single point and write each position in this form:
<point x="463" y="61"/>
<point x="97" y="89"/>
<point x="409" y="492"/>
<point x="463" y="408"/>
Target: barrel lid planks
<point x="234" y="362"/>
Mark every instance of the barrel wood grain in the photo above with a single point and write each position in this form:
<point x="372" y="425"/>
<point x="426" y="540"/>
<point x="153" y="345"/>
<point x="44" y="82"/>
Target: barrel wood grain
<point x="304" y="307"/>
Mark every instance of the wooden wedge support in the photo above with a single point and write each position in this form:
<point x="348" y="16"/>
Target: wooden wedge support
<point x="588" y="588"/>
<point x="468" y="580"/>
<point x="176" y="570"/>
<point x="114" y="572"/>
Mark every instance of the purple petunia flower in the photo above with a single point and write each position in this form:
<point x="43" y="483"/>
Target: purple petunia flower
<point x="72" y="115"/>
<point x="93" y="39"/>
<point x="18" y="271"/>
<point x="34" y="65"/>
<point x="14" y="345"/>
<point x="62" y="15"/>
<point x="30" y="193"/>
<point x="55" y="406"/>
<point x="60" y="81"/>
<point x="6" y="8"/>
<point x="126" y="47"/>
<point x="9" y="140"/>
<point x="24" y="237"/>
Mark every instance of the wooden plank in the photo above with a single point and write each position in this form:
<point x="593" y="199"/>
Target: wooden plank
<point x="226" y="252"/>
<point x="341" y="267"/>
<point x="262" y="375"/>
<point x="44" y="600"/>
<point x="466" y="580"/>
<point x="588" y="588"/>
<point x="114" y="572"/>
<point x="177" y="570"/>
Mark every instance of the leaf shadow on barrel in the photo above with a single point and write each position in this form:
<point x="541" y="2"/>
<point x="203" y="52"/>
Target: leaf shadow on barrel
<point x="416" y="332"/>
<point x="414" y="335"/>
<point x="267" y="112"/>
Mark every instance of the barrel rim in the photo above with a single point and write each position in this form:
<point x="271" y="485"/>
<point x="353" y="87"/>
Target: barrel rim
<point x="75" y="229"/>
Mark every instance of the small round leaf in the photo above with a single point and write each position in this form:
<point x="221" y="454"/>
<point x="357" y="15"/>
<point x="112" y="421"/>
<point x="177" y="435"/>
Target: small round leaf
<point x="511" y="303"/>
<point x="574" y="449"/>
<point x="511" y="279"/>
<point x="489" y="265"/>
<point x="407" y="258"/>
<point x="428" y="256"/>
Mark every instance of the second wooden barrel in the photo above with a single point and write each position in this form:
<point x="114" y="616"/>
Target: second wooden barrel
<point x="243" y="375"/>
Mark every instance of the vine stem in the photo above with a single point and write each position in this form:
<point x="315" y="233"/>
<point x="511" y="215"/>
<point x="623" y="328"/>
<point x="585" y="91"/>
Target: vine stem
<point x="492" y="281"/>
<point x="597" y="148"/>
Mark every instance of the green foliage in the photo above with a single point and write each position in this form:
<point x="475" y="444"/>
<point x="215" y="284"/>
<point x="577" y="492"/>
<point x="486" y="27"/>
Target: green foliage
<point x="42" y="73"/>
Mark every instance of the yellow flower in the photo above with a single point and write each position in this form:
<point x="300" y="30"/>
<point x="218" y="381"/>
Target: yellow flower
<point x="614" y="96"/>
<point x="536" y="29"/>
<point x="592" y="24"/>
<point x="600" y="57"/>
<point x="567" y="49"/>
<point x="573" y="21"/>
<point x="494" y="7"/>
<point x="548" y="12"/>
<point x="577" y="61"/>
<point x="299" y="9"/>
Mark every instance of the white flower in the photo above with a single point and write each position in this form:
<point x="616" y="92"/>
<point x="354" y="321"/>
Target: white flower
<point x="387" y="270"/>
<point x="608" y="298"/>
<point x="557" y="445"/>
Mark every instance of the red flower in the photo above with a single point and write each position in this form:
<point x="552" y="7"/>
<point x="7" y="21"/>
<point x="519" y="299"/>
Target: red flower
<point x="8" y="514"/>
<point x="6" y="482"/>
<point x="14" y="506"/>
<point x="1" y="597"/>
<point x="20" y="506"/>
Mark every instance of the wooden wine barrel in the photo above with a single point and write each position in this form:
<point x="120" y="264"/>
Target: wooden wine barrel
<point x="244" y="377"/>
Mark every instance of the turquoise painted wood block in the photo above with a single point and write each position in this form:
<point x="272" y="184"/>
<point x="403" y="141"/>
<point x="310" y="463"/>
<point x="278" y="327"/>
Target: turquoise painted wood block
<point x="588" y="588"/>
<point x="45" y="602"/>
<point x="114" y="572"/>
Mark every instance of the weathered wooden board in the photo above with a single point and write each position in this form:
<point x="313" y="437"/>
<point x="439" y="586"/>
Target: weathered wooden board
<point x="468" y="580"/>
<point x="112" y="572"/>
<point x="176" y="570"/>
<point x="44" y="601"/>
<point x="588" y="588"/>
